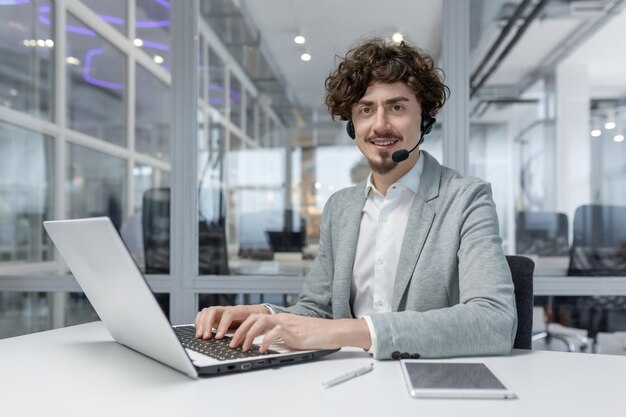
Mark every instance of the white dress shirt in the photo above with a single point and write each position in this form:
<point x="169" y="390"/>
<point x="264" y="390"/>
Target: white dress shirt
<point x="378" y="248"/>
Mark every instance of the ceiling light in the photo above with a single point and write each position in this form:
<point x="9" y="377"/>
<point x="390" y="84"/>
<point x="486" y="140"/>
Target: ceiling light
<point x="72" y="61"/>
<point x="397" y="37"/>
<point x="299" y="39"/>
<point x="138" y="42"/>
<point x="596" y="132"/>
<point x="609" y="125"/>
<point x="26" y="42"/>
<point x="318" y="185"/>
<point x="158" y="59"/>
<point x="305" y="57"/>
<point x="13" y="92"/>
<point x="610" y="119"/>
<point x="33" y="42"/>
<point x="618" y="138"/>
<point x="41" y="42"/>
<point x="49" y="43"/>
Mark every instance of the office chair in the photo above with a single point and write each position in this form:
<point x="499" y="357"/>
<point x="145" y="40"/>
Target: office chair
<point x="545" y="234"/>
<point x="522" y="269"/>
<point x="598" y="249"/>
<point x="212" y="252"/>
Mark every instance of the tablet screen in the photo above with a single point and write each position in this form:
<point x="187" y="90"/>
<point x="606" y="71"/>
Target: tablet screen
<point x="438" y="375"/>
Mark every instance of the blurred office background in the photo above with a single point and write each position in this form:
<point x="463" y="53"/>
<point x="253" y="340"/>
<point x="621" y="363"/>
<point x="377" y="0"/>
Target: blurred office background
<point x="91" y="124"/>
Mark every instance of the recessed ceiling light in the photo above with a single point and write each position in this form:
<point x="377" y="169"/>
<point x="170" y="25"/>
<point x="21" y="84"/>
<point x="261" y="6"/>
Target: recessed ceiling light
<point x="596" y="132"/>
<point x="138" y="43"/>
<point x="618" y="138"/>
<point x="397" y="37"/>
<point x="49" y="43"/>
<point x="609" y="125"/>
<point x="305" y="57"/>
<point x="158" y="59"/>
<point x="41" y="42"/>
<point x="299" y="39"/>
<point x="72" y="61"/>
<point x="13" y="92"/>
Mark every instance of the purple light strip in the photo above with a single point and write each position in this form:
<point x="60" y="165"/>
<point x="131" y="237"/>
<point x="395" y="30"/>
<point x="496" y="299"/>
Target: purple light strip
<point x="152" y="24"/>
<point x="44" y="9"/>
<point x="91" y="80"/>
<point x="155" y="45"/>
<point x="14" y="2"/>
<point x="78" y="29"/>
<point x="111" y="19"/>
<point x="215" y="87"/>
<point x="44" y="20"/>
<point x="163" y="3"/>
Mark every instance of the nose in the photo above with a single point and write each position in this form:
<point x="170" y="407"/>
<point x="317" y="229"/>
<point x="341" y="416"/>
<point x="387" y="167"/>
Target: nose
<point x="382" y="122"/>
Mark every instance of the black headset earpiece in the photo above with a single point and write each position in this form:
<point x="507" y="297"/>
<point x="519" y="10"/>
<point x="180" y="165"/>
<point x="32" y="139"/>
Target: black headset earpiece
<point x="350" y="129"/>
<point x="427" y="124"/>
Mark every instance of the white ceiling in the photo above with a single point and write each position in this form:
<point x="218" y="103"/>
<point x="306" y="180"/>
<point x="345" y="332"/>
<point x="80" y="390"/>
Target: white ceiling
<point x="331" y="27"/>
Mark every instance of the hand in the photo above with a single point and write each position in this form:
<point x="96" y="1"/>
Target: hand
<point x="223" y="318"/>
<point x="299" y="332"/>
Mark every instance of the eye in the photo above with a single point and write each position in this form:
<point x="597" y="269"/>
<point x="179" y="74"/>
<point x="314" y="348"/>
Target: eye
<point x="365" y="110"/>
<point x="398" y="107"/>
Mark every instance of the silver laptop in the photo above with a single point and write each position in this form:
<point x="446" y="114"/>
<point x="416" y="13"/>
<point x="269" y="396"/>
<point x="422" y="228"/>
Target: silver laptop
<point x="119" y="293"/>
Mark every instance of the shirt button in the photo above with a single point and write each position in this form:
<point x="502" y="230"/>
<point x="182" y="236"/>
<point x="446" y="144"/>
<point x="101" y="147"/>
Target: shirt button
<point x="380" y="260"/>
<point x="385" y="219"/>
<point x="380" y="303"/>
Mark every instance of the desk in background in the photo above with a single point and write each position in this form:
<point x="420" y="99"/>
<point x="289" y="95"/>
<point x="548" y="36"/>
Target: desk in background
<point x="78" y="371"/>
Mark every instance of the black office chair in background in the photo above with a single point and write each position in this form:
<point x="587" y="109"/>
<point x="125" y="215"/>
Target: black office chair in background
<point x="522" y="270"/>
<point x="212" y="257"/>
<point x="598" y="249"/>
<point x="544" y="233"/>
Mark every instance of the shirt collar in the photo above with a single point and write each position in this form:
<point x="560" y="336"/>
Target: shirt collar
<point x="410" y="180"/>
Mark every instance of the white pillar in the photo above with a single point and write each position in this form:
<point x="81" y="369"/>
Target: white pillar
<point x="456" y="66"/>
<point x="573" y="147"/>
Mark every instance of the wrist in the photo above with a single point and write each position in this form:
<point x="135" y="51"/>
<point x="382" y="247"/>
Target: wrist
<point x="353" y="333"/>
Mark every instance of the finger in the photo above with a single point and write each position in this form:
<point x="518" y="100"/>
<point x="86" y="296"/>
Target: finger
<point x="224" y="324"/>
<point x="207" y="326"/>
<point x="270" y="337"/>
<point x="259" y="327"/>
<point x="243" y="329"/>
<point x="200" y="321"/>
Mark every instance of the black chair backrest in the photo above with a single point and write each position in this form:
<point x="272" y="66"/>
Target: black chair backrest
<point x="599" y="244"/>
<point x="212" y="252"/>
<point x="522" y="270"/>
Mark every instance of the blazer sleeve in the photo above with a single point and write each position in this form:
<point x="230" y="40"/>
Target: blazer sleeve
<point x="315" y="298"/>
<point x="484" y="321"/>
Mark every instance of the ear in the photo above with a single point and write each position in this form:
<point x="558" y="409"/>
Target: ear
<point x="350" y="129"/>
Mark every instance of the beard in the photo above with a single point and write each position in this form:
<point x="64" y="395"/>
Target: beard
<point x="384" y="165"/>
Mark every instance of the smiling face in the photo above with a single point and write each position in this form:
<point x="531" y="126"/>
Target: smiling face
<point x="386" y="119"/>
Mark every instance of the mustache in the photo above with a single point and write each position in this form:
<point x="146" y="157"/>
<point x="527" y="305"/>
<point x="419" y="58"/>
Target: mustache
<point x="387" y="134"/>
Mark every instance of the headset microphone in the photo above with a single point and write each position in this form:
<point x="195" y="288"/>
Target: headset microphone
<point x="427" y="126"/>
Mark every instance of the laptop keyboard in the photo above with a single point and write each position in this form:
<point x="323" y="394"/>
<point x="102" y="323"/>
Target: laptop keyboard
<point x="214" y="348"/>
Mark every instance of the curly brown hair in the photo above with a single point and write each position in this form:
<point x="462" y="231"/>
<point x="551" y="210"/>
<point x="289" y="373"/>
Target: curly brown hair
<point x="376" y="60"/>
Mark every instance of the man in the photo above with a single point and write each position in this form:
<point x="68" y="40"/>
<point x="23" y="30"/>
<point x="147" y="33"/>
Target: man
<point x="410" y="262"/>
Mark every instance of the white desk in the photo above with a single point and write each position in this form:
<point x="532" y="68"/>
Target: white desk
<point x="80" y="371"/>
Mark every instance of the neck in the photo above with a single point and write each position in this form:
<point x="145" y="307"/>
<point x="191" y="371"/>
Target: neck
<point x="382" y="182"/>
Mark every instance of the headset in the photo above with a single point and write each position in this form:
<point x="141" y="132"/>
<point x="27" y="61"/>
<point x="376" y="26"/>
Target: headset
<point x="398" y="156"/>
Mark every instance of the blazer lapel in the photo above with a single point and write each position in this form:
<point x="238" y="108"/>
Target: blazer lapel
<point x="346" y="252"/>
<point x="418" y="226"/>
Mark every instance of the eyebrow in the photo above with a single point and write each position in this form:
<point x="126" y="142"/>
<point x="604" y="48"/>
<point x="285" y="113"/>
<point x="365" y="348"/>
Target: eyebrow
<point x="389" y="101"/>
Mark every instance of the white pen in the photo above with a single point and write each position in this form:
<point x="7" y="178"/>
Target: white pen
<point x="349" y="375"/>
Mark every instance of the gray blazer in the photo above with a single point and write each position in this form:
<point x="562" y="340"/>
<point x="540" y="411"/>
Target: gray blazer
<point x="453" y="294"/>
